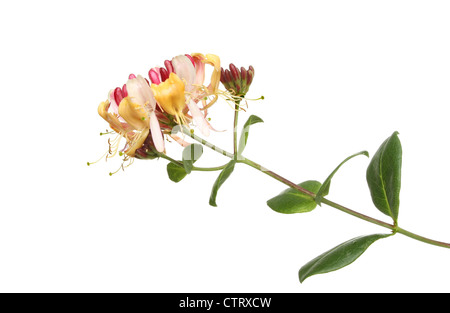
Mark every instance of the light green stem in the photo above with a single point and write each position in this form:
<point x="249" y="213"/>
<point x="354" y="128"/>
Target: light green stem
<point x="236" y="114"/>
<point x="194" y="168"/>
<point x="393" y="228"/>
<point x="187" y="132"/>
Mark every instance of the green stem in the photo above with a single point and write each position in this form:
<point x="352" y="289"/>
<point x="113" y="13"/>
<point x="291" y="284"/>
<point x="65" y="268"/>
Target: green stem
<point x="276" y="176"/>
<point x="236" y="114"/>
<point x="187" y="132"/>
<point x="342" y="208"/>
<point x="195" y="168"/>
<point x="423" y="239"/>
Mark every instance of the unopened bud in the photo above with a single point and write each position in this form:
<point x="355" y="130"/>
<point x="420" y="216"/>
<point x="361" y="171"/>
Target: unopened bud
<point x="237" y="80"/>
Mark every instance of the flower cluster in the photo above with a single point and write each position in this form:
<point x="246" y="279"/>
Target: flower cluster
<point x="145" y="110"/>
<point x="237" y="81"/>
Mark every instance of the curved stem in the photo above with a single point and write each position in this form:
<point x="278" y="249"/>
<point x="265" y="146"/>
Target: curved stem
<point x="187" y="132"/>
<point x="195" y="168"/>
<point x="342" y="208"/>
<point x="423" y="239"/>
<point x="276" y="176"/>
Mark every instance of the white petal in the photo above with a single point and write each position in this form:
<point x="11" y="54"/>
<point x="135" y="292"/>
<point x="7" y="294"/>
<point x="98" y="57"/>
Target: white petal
<point x="114" y="107"/>
<point x="140" y="92"/>
<point x="185" y="70"/>
<point x="157" y="137"/>
<point x="199" y="118"/>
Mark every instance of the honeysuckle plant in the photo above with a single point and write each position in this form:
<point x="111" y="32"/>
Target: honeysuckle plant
<point x="174" y="101"/>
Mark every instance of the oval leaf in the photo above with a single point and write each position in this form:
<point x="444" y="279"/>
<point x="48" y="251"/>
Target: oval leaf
<point x="323" y="191"/>
<point x="191" y="153"/>
<point x="223" y="176"/>
<point x="176" y="172"/>
<point x="293" y="201"/>
<point x="338" y="257"/>
<point x="253" y="119"/>
<point x="384" y="176"/>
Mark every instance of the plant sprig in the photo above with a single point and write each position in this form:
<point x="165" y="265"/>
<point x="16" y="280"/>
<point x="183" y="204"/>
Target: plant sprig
<point x="383" y="177"/>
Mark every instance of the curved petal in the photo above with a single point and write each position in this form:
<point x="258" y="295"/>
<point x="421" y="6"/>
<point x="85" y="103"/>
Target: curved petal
<point x="181" y="141"/>
<point x="113" y="121"/>
<point x="198" y="118"/>
<point x="114" y="107"/>
<point x="134" y="114"/>
<point x="213" y="87"/>
<point x="184" y="68"/>
<point x="170" y="94"/>
<point x="137" y="142"/>
<point x="156" y="132"/>
<point x="140" y="93"/>
<point x="214" y="60"/>
<point x="199" y="68"/>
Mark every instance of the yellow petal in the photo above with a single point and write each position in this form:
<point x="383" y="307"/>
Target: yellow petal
<point x="134" y="114"/>
<point x="170" y="94"/>
<point x="137" y="142"/>
<point x="214" y="60"/>
<point x="113" y="121"/>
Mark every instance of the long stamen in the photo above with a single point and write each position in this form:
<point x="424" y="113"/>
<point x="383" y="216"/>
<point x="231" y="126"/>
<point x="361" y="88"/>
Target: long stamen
<point x="123" y="166"/>
<point x="112" y="148"/>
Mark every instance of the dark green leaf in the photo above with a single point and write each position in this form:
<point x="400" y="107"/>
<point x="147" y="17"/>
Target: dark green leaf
<point x="384" y="176"/>
<point x="323" y="191"/>
<point x="176" y="172"/>
<point x="338" y="257"/>
<point x="293" y="201"/>
<point x="191" y="153"/>
<point x="253" y="119"/>
<point x="223" y="176"/>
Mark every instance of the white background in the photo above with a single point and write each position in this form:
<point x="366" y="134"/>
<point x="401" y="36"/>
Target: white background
<point x="338" y="77"/>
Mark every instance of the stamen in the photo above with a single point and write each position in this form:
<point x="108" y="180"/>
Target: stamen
<point x="108" y="132"/>
<point x="123" y="165"/>
<point x="90" y="163"/>
<point x="112" y="147"/>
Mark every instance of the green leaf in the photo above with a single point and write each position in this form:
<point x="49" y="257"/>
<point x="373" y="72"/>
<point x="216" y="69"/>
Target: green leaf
<point x="384" y="176"/>
<point x="191" y="153"/>
<point x="253" y="119"/>
<point x="176" y="172"/>
<point x="293" y="201"/>
<point x="338" y="257"/>
<point x="323" y="191"/>
<point x="223" y="176"/>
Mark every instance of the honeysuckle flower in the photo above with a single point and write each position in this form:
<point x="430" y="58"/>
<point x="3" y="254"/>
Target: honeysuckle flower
<point x="178" y="88"/>
<point x="131" y="112"/>
<point x="143" y="112"/>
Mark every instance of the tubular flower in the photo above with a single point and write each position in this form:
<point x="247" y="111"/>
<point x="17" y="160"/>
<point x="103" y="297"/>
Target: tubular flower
<point x="143" y="111"/>
<point x="179" y="87"/>
<point x="131" y="112"/>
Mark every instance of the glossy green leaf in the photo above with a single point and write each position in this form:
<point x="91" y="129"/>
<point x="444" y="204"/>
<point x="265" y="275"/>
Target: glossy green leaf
<point x="293" y="201"/>
<point x="384" y="176"/>
<point x="323" y="191"/>
<point x="253" y="119"/>
<point x="176" y="172"/>
<point x="191" y="153"/>
<point x="223" y="176"/>
<point x="338" y="257"/>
